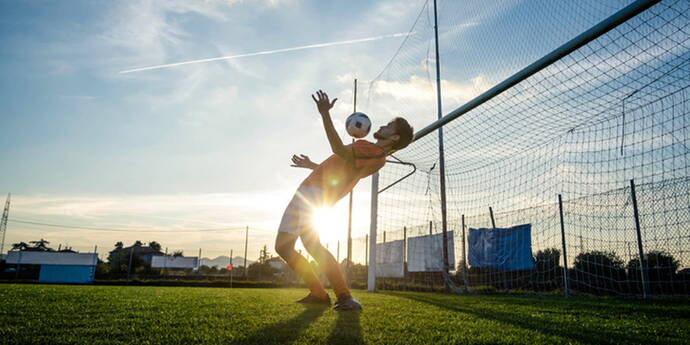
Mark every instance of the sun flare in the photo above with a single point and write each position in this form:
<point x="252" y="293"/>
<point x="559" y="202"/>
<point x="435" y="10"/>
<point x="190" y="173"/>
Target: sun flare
<point x="328" y="223"/>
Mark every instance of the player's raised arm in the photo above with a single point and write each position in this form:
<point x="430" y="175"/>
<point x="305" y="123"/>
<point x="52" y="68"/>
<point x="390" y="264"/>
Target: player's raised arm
<point x="324" y="106"/>
<point x="303" y="161"/>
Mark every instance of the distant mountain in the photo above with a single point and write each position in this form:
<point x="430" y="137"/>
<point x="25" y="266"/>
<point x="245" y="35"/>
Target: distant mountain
<point x="223" y="261"/>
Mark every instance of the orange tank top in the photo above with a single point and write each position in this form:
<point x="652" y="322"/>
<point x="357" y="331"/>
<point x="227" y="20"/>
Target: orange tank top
<point x="336" y="176"/>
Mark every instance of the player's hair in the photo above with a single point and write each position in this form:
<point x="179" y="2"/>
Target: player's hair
<point x="405" y="131"/>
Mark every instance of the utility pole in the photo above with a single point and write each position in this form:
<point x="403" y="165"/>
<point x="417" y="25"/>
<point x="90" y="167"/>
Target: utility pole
<point x="198" y="268"/>
<point x="3" y="222"/>
<point x="441" y="155"/>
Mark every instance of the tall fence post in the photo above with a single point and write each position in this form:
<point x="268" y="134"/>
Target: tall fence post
<point x="404" y="258"/>
<point x="366" y="251"/>
<point x="431" y="233"/>
<point x="491" y="214"/>
<point x="165" y="262"/>
<point x="566" y="287"/>
<point x="246" y="240"/>
<point x="643" y="262"/>
<point x="504" y="277"/>
<point x="464" y="257"/>
<point x="129" y="267"/>
<point x="95" y="263"/>
<point x="19" y="265"/>
<point x="441" y="157"/>
<point x="383" y="278"/>
<point x="371" y="271"/>
<point x="231" y="268"/>
<point x="198" y="264"/>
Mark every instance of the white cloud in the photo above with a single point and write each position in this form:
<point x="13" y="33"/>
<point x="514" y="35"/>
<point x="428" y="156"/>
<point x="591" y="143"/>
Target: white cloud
<point x="149" y="30"/>
<point x="208" y="209"/>
<point x="422" y="90"/>
<point x="260" y="210"/>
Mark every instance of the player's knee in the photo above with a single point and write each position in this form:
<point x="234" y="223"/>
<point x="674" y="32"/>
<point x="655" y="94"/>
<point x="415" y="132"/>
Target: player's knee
<point x="285" y="250"/>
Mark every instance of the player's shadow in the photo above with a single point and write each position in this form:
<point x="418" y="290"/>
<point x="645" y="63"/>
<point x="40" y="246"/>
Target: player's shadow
<point x="572" y="331"/>
<point x="347" y="329"/>
<point x="285" y="332"/>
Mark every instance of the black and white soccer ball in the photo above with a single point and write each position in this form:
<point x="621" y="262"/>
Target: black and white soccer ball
<point x="358" y="125"/>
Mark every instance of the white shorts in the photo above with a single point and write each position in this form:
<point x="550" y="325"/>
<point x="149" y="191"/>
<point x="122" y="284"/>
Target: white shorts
<point x="298" y="214"/>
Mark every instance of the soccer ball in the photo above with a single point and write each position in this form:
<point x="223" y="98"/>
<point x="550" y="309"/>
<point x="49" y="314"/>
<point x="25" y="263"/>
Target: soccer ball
<point x="358" y="125"/>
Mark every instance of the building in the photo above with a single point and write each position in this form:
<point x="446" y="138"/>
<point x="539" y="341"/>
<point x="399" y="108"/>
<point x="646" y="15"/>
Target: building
<point x="145" y="253"/>
<point x="58" y="267"/>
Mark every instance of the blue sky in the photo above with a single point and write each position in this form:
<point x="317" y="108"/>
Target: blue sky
<point x="208" y="145"/>
<point x="198" y="146"/>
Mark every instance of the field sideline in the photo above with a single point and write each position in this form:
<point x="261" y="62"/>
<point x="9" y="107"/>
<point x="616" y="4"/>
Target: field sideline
<point x="63" y="314"/>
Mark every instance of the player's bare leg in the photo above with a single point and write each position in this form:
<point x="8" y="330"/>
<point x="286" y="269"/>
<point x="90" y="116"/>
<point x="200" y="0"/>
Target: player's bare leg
<point x="285" y="247"/>
<point x="332" y="270"/>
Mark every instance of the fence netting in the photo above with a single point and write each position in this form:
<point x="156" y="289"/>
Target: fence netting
<point x="608" y="119"/>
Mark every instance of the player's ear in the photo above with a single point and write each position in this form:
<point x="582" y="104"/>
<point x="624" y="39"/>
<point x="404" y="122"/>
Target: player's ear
<point x="395" y="138"/>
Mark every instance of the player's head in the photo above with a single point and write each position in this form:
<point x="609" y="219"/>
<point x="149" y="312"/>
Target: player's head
<point x="397" y="132"/>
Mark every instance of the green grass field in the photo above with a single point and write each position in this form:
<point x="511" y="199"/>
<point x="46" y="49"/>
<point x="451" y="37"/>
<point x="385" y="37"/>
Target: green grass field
<point x="62" y="314"/>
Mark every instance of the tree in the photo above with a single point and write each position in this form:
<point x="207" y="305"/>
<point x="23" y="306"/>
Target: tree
<point x="177" y="253"/>
<point x="264" y="255"/>
<point x="260" y="271"/>
<point x="204" y="269"/>
<point x="599" y="271"/>
<point x="119" y="245"/>
<point x="591" y="261"/>
<point x="67" y="250"/>
<point x="155" y="245"/>
<point x="547" y="259"/>
<point x="41" y="245"/>
<point x="118" y="259"/>
<point x="102" y="270"/>
<point x="20" y="246"/>
<point x="661" y="268"/>
<point x="548" y="274"/>
<point x="237" y="271"/>
<point x="138" y="243"/>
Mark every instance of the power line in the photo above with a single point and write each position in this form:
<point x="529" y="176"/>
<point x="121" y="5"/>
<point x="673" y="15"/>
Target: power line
<point x="65" y="226"/>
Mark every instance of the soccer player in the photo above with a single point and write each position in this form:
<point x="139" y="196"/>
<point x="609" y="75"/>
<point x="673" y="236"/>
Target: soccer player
<point x="329" y="182"/>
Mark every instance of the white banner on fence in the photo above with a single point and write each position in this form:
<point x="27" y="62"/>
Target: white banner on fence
<point x="51" y="258"/>
<point x="389" y="259"/>
<point x="425" y="253"/>
<point x="160" y="261"/>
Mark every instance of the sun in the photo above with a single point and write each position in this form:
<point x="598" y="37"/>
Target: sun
<point x="328" y="223"/>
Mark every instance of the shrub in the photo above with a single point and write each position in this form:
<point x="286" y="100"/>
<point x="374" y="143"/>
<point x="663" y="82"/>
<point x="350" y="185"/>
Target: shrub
<point x="599" y="272"/>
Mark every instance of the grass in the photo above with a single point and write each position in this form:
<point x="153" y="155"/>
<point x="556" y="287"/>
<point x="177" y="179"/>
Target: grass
<point x="64" y="314"/>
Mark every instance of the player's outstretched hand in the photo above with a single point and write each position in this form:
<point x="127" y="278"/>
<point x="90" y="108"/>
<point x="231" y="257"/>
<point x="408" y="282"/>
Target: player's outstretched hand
<point x="302" y="161"/>
<point x="322" y="102"/>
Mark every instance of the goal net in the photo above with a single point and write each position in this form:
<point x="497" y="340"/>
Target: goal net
<point x="605" y="128"/>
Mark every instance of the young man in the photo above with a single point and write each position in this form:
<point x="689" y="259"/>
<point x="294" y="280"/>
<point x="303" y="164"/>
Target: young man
<point x="329" y="182"/>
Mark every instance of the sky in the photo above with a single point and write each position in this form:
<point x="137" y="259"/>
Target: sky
<point x="159" y="154"/>
<point x="203" y="146"/>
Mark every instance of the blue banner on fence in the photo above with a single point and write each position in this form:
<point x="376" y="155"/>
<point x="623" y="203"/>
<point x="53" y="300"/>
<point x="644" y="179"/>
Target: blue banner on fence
<point x="507" y="249"/>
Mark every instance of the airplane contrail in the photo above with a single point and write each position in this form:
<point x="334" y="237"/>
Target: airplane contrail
<point x="266" y="52"/>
